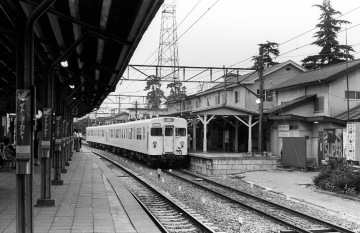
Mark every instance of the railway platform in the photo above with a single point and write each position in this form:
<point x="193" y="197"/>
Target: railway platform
<point x="91" y="199"/>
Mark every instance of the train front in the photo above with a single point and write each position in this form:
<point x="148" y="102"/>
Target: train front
<point x="168" y="140"/>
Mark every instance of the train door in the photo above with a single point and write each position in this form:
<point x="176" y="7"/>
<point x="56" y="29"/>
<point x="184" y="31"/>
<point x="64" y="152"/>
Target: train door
<point x="169" y="139"/>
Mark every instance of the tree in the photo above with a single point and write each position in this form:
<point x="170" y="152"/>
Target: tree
<point x="269" y="49"/>
<point x="155" y="94"/>
<point x="331" y="52"/>
<point x="177" y="92"/>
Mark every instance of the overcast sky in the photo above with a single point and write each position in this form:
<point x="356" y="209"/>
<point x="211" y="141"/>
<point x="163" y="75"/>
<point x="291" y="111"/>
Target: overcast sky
<point x="231" y="30"/>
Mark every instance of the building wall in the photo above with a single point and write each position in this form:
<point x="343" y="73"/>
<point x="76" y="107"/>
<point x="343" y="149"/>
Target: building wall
<point x="337" y="92"/>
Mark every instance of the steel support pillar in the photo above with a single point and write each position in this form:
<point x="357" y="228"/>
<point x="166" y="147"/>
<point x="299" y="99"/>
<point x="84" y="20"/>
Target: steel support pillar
<point x="205" y="123"/>
<point x="194" y="134"/>
<point x="25" y="110"/>
<point x="249" y="124"/>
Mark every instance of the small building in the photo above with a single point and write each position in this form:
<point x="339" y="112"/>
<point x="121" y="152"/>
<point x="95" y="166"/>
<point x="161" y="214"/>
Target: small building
<point x="311" y="110"/>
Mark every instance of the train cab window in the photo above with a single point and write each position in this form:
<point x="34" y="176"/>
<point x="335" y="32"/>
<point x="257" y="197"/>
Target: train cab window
<point x="180" y="132"/>
<point x="169" y="131"/>
<point x="156" y="131"/>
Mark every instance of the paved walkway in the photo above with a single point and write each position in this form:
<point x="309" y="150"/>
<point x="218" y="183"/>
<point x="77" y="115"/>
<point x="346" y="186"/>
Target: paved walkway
<point x="92" y="199"/>
<point x="299" y="186"/>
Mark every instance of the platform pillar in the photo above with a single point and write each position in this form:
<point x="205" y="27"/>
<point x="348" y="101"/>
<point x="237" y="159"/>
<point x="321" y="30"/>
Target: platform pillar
<point x="194" y="134"/>
<point x="45" y="187"/>
<point x="57" y="157"/>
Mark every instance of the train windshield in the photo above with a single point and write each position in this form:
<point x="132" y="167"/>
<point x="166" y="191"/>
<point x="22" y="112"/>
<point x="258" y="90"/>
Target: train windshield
<point x="180" y="132"/>
<point x="169" y="131"/>
<point x="156" y="132"/>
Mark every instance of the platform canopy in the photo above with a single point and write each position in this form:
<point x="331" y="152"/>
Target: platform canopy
<point x="108" y="31"/>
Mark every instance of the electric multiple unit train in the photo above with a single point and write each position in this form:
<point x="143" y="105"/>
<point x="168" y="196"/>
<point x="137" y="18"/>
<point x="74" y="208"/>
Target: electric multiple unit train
<point x="156" y="141"/>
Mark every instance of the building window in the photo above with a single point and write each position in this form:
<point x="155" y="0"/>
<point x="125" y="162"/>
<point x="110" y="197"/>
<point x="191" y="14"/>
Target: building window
<point x="319" y="103"/>
<point x="236" y="97"/>
<point x="217" y="99"/>
<point x="352" y="95"/>
<point x="267" y="95"/>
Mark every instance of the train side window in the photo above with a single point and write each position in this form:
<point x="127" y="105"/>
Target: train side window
<point x="130" y="134"/>
<point x="156" y="132"/>
<point x="143" y="133"/>
<point x="169" y="131"/>
<point x="138" y="133"/>
<point x="180" y="132"/>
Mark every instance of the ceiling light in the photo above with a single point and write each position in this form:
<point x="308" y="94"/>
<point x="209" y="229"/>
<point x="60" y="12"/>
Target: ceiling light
<point x="64" y="63"/>
<point x="316" y="122"/>
<point x="257" y="101"/>
<point x="72" y="86"/>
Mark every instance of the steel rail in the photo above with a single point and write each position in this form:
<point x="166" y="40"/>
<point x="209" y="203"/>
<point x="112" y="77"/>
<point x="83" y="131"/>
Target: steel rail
<point x="308" y="217"/>
<point x="202" y="227"/>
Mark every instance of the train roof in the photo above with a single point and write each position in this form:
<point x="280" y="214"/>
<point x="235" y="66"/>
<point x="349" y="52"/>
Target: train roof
<point x="133" y="122"/>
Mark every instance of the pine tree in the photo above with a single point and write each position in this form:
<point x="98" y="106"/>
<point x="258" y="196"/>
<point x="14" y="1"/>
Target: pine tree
<point x="177" y="92"/>
<point x="269" y="49"/>
<point x="332" y="52"/>
<point x="155" y="94"/>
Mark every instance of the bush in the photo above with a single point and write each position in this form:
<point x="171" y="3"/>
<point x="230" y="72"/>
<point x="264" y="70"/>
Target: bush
<point x="338" y="176"/>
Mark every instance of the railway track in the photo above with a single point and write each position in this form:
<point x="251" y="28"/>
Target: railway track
<point x="296" y="221"/>
<point x="170" y="216"/>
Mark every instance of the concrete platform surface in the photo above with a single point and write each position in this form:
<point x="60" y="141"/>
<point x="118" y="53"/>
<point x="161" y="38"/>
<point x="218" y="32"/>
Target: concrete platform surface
<point x="299" y="186"/>
<point x="91" y="199"/>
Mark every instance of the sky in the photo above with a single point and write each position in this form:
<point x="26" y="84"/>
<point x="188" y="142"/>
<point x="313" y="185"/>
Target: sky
<point x="226" y="33"/>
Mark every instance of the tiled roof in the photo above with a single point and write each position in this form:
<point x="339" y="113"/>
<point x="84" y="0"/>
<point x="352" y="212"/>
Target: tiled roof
<point x="317" y="75"/>
<point x="290" y="104"/>
<point x="252" y="76"/>
<point x="354" y="114"/>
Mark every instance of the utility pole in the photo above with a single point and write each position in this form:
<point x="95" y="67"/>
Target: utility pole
<point x="261" y="97"/>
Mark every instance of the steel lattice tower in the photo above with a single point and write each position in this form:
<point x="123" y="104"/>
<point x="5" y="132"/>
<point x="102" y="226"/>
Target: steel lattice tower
<point x="168" y="47"/>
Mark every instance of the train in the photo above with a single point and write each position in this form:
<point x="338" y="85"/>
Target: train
<point x="155" y="141"/>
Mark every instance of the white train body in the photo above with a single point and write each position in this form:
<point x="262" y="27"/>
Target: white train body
<point x="154" y="140"/>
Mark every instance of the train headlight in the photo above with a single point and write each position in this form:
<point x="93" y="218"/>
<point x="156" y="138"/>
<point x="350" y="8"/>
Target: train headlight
<point x="182" y="143"/>
<point x="154" y="143"/>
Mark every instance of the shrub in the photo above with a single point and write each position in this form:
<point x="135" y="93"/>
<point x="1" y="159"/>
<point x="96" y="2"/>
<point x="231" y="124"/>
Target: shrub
<point x="338" y="176"/>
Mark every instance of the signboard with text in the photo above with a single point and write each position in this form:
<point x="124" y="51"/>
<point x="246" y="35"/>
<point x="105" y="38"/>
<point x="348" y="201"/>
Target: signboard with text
<point x="23" y="124"/>
<point x="46" y="132"/>
<point x="352" y="144"/>
<point x="333" y="143"/>
<point x="58" y="132"/>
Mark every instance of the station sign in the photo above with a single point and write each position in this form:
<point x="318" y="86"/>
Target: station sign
<point x="46" y="132"/>
<point x="58" y="131"/>
<point x="23" y="124"/>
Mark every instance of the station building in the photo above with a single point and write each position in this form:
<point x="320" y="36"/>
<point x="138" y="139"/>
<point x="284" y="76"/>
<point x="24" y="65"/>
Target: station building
<point x="228" y="112"/>
<point x="301" y="109"/>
